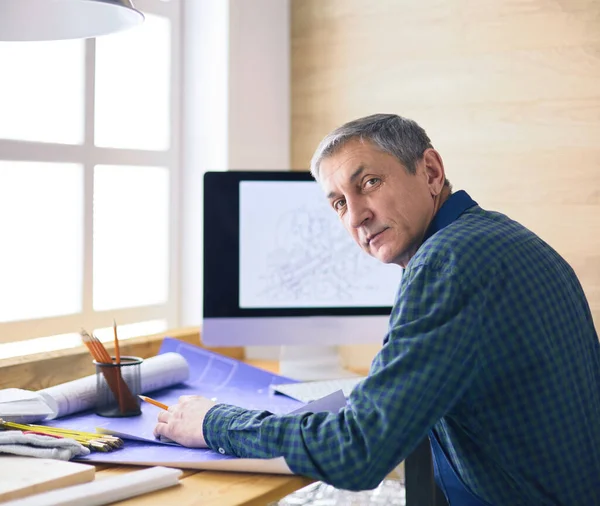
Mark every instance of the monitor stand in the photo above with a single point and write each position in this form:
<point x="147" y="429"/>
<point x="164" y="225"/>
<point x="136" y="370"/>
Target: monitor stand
<point x="308" y="363"/>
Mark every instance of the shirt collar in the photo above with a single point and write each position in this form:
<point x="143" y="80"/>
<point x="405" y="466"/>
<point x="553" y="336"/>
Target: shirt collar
<point x="455" y="205"/>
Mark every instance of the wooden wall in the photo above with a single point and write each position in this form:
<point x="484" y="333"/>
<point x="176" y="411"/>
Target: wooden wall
<point x="509" y="92"/>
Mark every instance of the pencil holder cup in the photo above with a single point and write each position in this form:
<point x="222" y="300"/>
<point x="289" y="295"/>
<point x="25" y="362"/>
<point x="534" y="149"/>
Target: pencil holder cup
<point x="118" y="387"/>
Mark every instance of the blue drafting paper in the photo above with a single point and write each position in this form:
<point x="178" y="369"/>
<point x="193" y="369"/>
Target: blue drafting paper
<point x="135" y="452"/>
<point x="212" y="375"/>
<point x="147" y="454"/>
<point x="144" y="453"/>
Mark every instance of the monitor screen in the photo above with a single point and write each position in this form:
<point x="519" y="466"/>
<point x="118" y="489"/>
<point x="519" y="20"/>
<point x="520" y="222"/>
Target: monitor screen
<point x="279" y="267"/>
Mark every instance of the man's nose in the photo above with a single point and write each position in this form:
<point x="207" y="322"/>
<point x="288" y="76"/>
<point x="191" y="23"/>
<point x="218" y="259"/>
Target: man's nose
<point x="358" y="214"/>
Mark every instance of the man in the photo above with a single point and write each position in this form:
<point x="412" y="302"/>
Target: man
<point x="491" y="349"/>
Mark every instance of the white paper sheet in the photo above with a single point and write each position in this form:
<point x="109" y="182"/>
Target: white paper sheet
<point x="22" y="406"/>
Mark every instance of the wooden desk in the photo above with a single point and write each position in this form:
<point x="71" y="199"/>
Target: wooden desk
<point x="197" y="487"/>
<point x="213" y="488"/>
<point x="229" y="489"/>
<point x="216" y="487"/>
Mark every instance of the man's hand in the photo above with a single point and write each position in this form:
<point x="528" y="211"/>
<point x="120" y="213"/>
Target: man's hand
<point x="183" y="422"/>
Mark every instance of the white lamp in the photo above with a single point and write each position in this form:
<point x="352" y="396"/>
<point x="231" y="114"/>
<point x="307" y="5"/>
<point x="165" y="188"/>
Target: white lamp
<point x="22" y="20"/>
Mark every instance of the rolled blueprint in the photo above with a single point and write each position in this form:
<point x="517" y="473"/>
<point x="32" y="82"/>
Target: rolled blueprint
<point x="157" y="372"/>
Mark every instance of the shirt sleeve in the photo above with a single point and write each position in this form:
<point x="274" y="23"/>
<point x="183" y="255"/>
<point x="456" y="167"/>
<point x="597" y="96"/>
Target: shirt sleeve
<point x="429" y="358"/>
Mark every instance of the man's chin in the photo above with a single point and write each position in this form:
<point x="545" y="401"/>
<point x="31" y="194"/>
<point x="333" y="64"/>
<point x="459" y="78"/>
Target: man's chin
<point x="383" y="255"/>
<point x="387" y="256"/>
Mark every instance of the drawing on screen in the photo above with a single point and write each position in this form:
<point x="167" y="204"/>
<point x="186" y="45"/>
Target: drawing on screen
<point x="314" y="259"/>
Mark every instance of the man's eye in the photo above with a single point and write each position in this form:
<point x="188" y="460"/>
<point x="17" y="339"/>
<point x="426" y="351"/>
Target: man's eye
<point x="372" y="182"/>
<point x="339" y="204"/>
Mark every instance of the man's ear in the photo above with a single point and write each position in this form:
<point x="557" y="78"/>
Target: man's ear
<point x="434" y="169"/>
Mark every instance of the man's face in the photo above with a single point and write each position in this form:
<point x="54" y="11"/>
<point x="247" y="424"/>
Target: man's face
<point x="385" y="209"/>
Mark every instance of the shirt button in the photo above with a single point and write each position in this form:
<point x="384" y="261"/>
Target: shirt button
<point x="221" y="451"/>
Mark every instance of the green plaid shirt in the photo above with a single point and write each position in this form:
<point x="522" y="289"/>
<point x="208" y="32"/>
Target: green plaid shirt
<point x="491" y="344"/>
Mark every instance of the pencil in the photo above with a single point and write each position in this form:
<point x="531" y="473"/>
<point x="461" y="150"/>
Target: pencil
<point x="152" y="401"/>
<point x="113" y="376"/>
<point x="119" y="375"/>
<point x="95" y="441"/>
<point x="117" y="349"/>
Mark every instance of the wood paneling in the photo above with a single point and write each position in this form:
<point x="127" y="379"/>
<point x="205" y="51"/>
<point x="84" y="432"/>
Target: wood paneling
<point x="509" y="93"/>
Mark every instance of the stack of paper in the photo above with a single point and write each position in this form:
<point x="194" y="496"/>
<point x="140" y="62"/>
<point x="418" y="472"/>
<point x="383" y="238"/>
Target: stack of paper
<point x="17" y="405"/>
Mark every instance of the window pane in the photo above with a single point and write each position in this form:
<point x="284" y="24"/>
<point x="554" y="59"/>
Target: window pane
<point x="41" y="225"/>
<point x="42" y="91"/>
<point x="133" y="86"/>
<point x="131" y="236"/>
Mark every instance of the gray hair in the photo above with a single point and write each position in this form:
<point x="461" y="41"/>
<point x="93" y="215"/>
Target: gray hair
<point x="397" y="136"/>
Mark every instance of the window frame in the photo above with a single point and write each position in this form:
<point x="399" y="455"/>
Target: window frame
<point x="89" y="155"/>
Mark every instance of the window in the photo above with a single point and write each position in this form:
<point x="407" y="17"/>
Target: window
<point x="89" y="171"/>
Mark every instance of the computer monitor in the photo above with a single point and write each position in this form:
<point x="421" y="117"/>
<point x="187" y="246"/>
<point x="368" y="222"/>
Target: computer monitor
<point x="280" y="269"/>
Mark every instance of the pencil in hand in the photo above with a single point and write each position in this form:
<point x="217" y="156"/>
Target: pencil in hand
<point x="152" y="401"/>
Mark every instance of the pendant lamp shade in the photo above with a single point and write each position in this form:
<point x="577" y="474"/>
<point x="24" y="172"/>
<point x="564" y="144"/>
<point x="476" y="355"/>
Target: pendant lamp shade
<point x="22" y="20"/>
